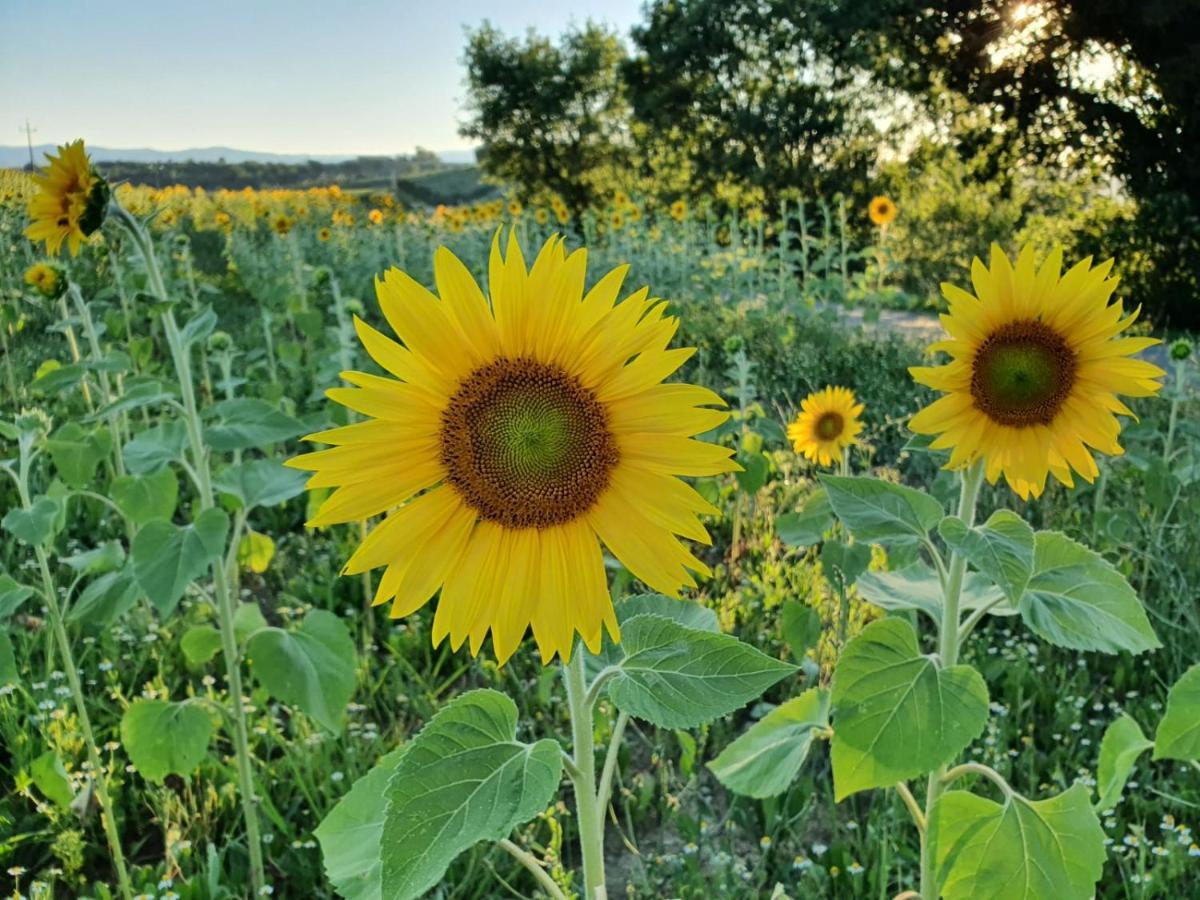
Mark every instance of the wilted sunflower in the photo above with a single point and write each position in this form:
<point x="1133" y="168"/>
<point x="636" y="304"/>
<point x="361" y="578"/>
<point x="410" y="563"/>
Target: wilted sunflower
<point x="70" y="202"/>
<point x="520" y="434"/>
<point x="1035" y="372"/>
<point x="44" y="279"/>
<point x="881" y="210"/>
<point x="828" y="423"/>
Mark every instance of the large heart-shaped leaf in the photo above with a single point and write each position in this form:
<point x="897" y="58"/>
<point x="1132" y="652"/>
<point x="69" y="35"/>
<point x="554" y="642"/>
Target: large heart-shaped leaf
<point x="678" y="677"/>
<point x="878" y="511"/>
<point x="12" y="596"/>
<point x="50" y="776"/>
<point x="687" y="613"/>
<point x="464" y="779"/>
<point x="167" y="558"/>
<point x="1076" y="599"/>
<point x="1123" y="743"/>
<point x="1017" y="850"/>
<point x="166" y="738"/>
<point x="311" y="668"/>
<point x="107" y="598"/>
<point x="898" y="714"/>
<point x="244" y="422"/>
<point x="77" y="452"/>
<point x="33" y="526"/>
<point x="1001" y="549"/>
<point x="261" y="482"/>
<point x="918" y="587"/>
<point x="152" y="449"/>
<point x="1178" y="735"/>
<point x="145" y="497"/>
<point x="765" y="760"/>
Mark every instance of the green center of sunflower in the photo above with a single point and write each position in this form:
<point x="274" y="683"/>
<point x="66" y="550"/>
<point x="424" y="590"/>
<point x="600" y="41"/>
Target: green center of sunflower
<point x="526" y="445"/>
<point x="1023" y="374"/>
<point x="830" y="426"/>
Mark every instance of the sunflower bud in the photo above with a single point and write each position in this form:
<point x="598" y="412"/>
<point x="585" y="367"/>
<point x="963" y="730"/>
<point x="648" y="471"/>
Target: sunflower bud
<point x="46" y="279"/>
<point x="1181" y="350"/>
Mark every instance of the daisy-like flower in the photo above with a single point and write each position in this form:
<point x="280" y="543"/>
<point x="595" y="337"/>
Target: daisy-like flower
<point x="520" y="432"/>
<point x="881" y="210"/>
<point x="70" y="202"/>
<point x="44" y="279"/>
<point x="828" y="423"/>
<point x="1036" y="368"/>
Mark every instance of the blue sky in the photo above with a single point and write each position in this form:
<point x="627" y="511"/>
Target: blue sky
<point x="306" y="76"/>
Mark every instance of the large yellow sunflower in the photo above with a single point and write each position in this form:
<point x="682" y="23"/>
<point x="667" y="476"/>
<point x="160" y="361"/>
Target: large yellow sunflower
<point x="69" y="204"/>
<point x="1035" y="372"/>
<point x="516" y="435"/>
<point x="828" y="423"/>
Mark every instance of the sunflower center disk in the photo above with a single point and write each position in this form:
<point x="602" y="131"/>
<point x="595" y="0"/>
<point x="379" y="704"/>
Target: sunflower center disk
<point x="1023" y="374"/>
<point x="829" y="426"/>
<point x="526" y="445"/>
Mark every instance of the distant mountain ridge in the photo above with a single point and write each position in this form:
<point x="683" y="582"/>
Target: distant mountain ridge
<point x="18" y="156"/>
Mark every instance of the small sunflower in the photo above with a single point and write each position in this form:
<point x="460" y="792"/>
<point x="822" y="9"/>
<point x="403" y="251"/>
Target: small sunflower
<point x="679" y="210"/>
<point x="44" y="279"/>
<point x="323" y="235"/>
<point x="828" y="423"/>
<point x="881" y="210"/>
<point x="1035" y="372"/>
<point x="518" y="434"/>
<point x="282" y="224"/>
<point x="70" y="202"/>
<point x="375" y="217"/>
<point x="515" y="208"/>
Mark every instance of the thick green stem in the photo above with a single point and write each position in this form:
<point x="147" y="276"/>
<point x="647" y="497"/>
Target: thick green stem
<point x="587" y="807"/>
<point x="107" y="816"/>
<point x="106" y="393"/>
<point x="225" y="602"/>
<point x="948" y="650"/>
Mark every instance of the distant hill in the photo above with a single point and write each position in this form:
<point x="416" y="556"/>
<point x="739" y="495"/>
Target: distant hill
<point x="14" y="157"/>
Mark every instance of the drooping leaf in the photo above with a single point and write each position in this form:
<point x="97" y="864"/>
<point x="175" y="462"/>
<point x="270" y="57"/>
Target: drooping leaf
<point x="463" y="779"/>
<point x="878" y="511"/>
<point x="1001" y="549"/>
<point x="1123" y="743"/>
<point x="167" y="558"/>
<point x="243" y="423"/>
<point x="145" y="497"/>
<point x="1076" y="599"/>
<point x="151" y="450"/>
<point x="12" y="596"/>
<point x="200" y="643"/>
<point x="77" y="452"/>
<point x="51" y="779"/>
<point x="918" y="587"/>
<point x="311" y="668"/>
<point x="766" y="758"/>
<point x="678" y="677"/>
<point x="107" y="598"/>
<point x="34" y="526"/>
<point x="898" y="714"/>
<point x="165" y="738"/>
<point x="261" y="482"/>
<point x="808" y="526"/>
<point x="350" y="834"/>
<point x="1178" y="735"/>
<point x="1017" y="850"/>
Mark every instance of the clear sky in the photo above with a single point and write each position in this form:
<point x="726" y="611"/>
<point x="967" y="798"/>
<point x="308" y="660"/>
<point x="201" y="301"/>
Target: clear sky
<point x="305" y="76"/>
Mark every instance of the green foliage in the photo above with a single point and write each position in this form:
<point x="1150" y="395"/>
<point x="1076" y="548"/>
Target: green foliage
<point x="146" y="497"/>
<point x="1178" y="735"/>
<point x="879" y="511"/>
<point x="167" y="558"/>
<point x="1119" y="751"/>
<point x="166" y="738"/>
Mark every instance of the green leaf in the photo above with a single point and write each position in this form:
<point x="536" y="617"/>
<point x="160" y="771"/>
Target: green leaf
<point x="800" y="626"/>
<point x="878" y="511"/>
<point x="140" y="393"/>
<point x="108" y="557"/>
<point x="200" y="643"/>
<point x="311" y="668"/>
<point x="1123" y="743"/>
<point x="8" y="660"/>
<point x="33" y="526"/>
<point x="243" y="423"/>
<point x="77" y="452"/>
<point x="898" y="714"/>
<point x="918" y="587"/>
<point x="842" y="563"/>
<point x="247" y="620"/>
<point x="151" y="450"/>
<point x="51" y="779"/>
<point x="677" y="677"/>
<point x="765" y="760"/>
<point x="807" y="527"/>
<point x="1001" y="549"/>
<point x="167" y="558"/>
<point x="12" y="596"/>
<point x="687" y="613"/>
<point x="1178" y="735"/>
<point x="753" y="475"/>
<point x="464" y="779"/>
<point x="107" y="598"/>
<point x="261" y="482"/>
<point x="166" y="738"/>
<point x="350" y="834"/>
<point x="1076" y="599"/>
<point x="1018" y="850"/>
<point x="145" y="497"/>
<point x="199" y="326"/>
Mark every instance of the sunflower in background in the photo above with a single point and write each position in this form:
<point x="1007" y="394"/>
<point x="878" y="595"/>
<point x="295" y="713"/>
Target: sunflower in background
<point x="282" y="224"/>
<point x="1036" y="367"/>
<point x="375" y="217"/>
<point x="882" y="211"/>
<point x="70" y="202"/>
<point x="679" y="210"/>
<point x="827" y="425"/>
<point x="324" y="234"/>
<point x="516" y="435"/>
<point x="45" y="279"/>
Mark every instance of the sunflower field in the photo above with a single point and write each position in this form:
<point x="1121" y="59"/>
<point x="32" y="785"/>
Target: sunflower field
<point x="649" y="550"/>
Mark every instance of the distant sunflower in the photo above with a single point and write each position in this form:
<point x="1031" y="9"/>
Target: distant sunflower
<point x="44" y="279"/>
<point x="324" y="234"/>
<point x="282" y="224"/>
<point x="881" y="210"/>
<point x="375" y="217"/>
<point x="516" y="436"/>
<point x="70" y="202"/>
<point x="828" y="423"/>
<point x="1035" y="372"/>
<point x="679" y="210"/>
